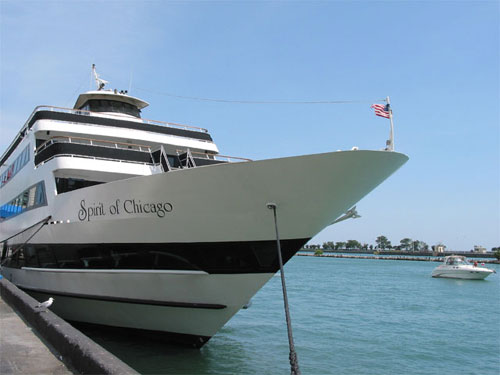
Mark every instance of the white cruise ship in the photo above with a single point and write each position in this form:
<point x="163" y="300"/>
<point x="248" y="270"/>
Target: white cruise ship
<point x="142" y="224"/>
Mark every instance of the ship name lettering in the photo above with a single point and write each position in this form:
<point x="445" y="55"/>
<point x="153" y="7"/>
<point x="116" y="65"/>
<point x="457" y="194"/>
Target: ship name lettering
<point x="85" y="213"/>
<point x="131" y="206"/>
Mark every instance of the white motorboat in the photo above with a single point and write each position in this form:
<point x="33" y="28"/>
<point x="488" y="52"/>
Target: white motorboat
<point x="458" y="267"/>
<point x="143" y="224"/>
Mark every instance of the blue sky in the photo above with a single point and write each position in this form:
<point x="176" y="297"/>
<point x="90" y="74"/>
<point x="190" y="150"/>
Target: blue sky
<point x="438" y="61"/>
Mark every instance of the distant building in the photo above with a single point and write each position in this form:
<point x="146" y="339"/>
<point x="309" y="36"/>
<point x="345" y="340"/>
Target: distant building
<point x="439" y="248"/>
<point x="479" y="249"/>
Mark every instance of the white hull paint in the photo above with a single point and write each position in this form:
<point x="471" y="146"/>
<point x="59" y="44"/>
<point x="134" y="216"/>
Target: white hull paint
<point x="465" y="272"/>
<point x="224" y="202"/>
<point x="141" y="294"/>
<point x="218" y="203"/>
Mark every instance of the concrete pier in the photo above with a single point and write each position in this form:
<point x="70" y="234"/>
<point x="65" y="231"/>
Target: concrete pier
<point x="70" y="350"/>
<point x="22" y="351"/>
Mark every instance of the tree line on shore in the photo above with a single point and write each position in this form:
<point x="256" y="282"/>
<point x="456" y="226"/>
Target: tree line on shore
<point x="381" y="243"/>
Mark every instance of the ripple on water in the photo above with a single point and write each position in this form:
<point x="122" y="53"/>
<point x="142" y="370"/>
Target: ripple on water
<point x="349" y="317"/>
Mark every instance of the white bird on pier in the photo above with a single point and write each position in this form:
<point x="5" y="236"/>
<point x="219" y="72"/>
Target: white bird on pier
<point x="43" y="306"/>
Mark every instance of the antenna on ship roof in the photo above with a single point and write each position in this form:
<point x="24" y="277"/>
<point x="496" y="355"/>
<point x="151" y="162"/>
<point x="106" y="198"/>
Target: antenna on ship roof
<point x="99" y="82"/>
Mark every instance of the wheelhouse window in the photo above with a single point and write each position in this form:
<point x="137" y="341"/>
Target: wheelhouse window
<point x="103" y="105"/>
<point x="32" y="197"/>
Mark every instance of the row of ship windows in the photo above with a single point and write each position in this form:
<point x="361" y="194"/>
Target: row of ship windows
<point x="16" y="166"/>
<point x="102" y="105"/>
<point x="35" y="196"/>
<point x="30" y="198"/>
<point x="211" y="258"/>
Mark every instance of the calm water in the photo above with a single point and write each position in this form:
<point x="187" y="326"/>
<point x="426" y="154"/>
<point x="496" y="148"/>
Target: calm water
<point x="349" y="316"/>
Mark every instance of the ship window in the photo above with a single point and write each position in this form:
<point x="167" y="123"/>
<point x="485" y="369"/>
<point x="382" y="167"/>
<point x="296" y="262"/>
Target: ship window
<point x="32" y="197"/>
<point x="172" y="159"/>
<point x="40" y="195"/>
<point x="15" y="167"/>
<point x="25" y="199"/>
<point x="212" y="258"/>
<point x="46" y="258"/>
<point x="102" y="105"/>
<point x="64" y="185"/>
<point x="16" y="260"/>
<point x="30" y="257"/>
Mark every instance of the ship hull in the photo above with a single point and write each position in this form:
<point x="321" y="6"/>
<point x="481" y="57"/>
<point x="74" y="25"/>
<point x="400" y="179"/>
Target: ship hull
<point x="467" y="273"/>
<point x="207" y="234"/>
<point x="220" y="203"/>
<point x="185" y="306"/>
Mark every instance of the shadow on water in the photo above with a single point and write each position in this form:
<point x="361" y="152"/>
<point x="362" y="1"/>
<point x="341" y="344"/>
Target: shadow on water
<point x="149" y="355"/>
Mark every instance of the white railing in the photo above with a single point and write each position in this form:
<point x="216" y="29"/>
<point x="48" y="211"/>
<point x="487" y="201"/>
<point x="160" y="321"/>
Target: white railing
<point x="92" y="158"/>
<point x="141" y="120"/>
<point x="39" y="108"/>
<point x="202" y="155"/>
<point x="92" y="142"/>
<point x="231" y="159"/>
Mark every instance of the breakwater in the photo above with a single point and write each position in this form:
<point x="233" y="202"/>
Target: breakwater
<point x="467" y="254"/>
<point x="388" y="257"/>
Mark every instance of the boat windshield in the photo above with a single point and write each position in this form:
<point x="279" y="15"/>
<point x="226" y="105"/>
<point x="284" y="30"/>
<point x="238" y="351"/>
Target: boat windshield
<point x="455" y="261"/>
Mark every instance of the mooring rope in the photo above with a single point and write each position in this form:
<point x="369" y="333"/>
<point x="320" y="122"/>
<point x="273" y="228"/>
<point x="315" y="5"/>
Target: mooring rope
<point x="4" y="242"/>
<point x="294" y="361"/>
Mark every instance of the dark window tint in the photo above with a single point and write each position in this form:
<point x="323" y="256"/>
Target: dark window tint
<point x="30" y="198"/>
<point x="64" y="185"/>
<point x="16" y="166"/>
<point x="101" y="105"/>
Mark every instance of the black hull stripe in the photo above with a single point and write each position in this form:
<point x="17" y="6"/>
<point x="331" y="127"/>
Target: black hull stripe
<point x="210" y="257"/>
<point x="135" y="301"/>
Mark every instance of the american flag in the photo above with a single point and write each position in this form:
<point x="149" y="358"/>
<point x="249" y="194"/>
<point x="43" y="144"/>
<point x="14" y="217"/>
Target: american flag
<point x="381" y="110"/>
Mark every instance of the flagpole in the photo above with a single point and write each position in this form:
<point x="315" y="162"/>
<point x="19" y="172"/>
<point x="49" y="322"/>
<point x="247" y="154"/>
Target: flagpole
<point x="391" y="134"/>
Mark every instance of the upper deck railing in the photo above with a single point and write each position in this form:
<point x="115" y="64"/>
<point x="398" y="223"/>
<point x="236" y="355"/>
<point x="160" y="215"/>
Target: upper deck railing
<point x="92" y="148"/>
<point x="141" y="120"/>
<point x="119" y="151"/>
<point x="92" y="142"/>
<point x="228" y="159"/>
<point x="29" y="122"/>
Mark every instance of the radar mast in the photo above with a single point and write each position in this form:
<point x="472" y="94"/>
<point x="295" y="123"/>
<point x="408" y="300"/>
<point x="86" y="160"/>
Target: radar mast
<point x="99" y="81"/>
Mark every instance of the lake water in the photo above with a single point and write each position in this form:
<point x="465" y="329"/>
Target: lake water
<point x="349" y="316"/>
